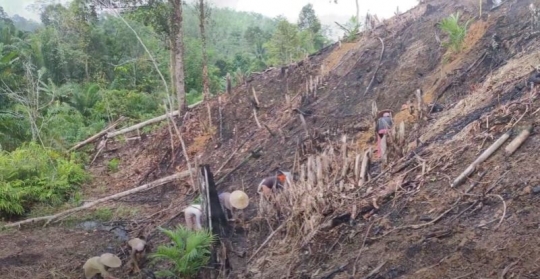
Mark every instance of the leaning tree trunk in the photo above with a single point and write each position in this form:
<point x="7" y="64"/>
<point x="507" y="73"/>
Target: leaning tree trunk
<point x="178" y="52"/>
<point x="202" y="19"/>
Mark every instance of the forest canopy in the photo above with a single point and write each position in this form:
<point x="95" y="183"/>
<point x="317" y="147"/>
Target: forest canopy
<point x="64" y="79"/>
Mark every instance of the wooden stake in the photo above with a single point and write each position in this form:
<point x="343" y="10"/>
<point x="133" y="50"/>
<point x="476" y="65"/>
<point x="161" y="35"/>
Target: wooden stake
<point x="365" y="166"/>
<point x="304" y="124"/>
<point x="384" y="150"/>
<point x="220" y="110"/>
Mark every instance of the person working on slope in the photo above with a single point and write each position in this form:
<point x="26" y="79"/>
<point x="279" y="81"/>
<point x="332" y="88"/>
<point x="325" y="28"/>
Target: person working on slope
<point x="382" y="127"/>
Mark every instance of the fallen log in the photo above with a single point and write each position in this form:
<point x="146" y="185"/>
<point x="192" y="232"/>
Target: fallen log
<point x="98" y="135"/>
<point x="518" y="141"/>
<point x="147" y="122"/>
<point x="145" y="187"/>
<point x="470" y="169"/>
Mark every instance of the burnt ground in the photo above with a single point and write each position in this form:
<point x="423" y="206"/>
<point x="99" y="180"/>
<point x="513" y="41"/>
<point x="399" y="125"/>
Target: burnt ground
<point x="422" y="228"/>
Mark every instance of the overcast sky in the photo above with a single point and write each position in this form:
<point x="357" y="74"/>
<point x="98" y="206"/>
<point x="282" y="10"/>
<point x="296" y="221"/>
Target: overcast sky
<point x="326" y="10"/>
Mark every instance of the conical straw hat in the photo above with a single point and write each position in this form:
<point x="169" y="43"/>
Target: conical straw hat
<point x="137" y="244"/>
<point x="91" y="267"/>
<point x="110" y="260"/>
<point x="239" y="199"/>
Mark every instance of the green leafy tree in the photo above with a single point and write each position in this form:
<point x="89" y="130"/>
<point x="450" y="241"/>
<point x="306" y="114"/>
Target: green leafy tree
<point x="307" y="20"/>
<point x="285" y="46"/>
<point x="188" y="252"/>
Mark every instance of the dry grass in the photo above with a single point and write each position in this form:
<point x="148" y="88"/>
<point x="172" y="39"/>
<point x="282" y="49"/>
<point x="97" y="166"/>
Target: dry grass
<point x="325" y="187"/>
<point x="199" y="144"/>
<point x="331" y="62"/>
<point x="501" y="80"/>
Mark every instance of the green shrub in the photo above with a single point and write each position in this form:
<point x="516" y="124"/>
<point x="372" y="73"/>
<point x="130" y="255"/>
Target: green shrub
<point x="65" y="126"/>
<point x="455" y="31"/>
<point x="193" y="97"/>
<point x="32" y="174"/>
<point x="113" y="164"/>
<point x="14" y="130"/>
<point x="132" y="104"/>
<point x="189" y="251"/>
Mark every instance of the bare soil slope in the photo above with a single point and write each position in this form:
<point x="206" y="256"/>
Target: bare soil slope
<point x="406" y="222"/>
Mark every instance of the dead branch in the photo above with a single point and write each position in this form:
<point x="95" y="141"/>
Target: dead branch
<point x="98" y="135"/>
<point x="256" y="118"/>
<point x="145" y="187"/>
<point x="518" y="141"/>
<point x="268" y="239"/>
<point x="342" y="27"/>
<point x="376" y="69"/>
<point x="232" y="155"/>
<point x="507" y="268"/>
<point x="184" y="149"/>
<point x="333" y="273"/>
<point x="147" y="122"/>
<point x="361" y="249"/>
<point x="464" y="276"/>
<point x="470" y="169"/>
<point x="504" y="209"/>
<point x="375" y="270"/>
<point x="251" y="154"/>
<point x="255" y="97"/>
<point x="269" y="131"/>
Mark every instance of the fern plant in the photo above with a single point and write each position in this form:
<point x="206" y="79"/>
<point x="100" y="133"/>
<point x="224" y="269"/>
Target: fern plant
<point x="456" y="32"/>
<point x="188" y="252"/>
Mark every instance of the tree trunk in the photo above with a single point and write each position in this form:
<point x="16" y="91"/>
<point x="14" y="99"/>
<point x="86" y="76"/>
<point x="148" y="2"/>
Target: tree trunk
<point x="357" y="16"/>
<point x="178" y="52"/>
<point x="202" y="19"/>
<point x="172" y="66"/>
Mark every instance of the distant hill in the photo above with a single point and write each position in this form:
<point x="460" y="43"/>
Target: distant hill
<point x="25" y="24"/>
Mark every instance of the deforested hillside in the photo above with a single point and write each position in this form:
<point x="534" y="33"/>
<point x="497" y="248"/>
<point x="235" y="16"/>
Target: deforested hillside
<point x="402" y="219"/>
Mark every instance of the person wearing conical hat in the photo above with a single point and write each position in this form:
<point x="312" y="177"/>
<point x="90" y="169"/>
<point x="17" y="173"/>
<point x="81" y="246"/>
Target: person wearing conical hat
<point x="239" y="199"/>
<point x="99" y="265"/>
<point x="225" y="202"/>
<point x="193" y="215"/>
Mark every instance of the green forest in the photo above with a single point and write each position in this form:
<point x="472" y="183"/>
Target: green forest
<point x="66" y="78"/>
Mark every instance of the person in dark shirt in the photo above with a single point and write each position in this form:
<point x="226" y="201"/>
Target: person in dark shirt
<point x="382" y="127"/>
<point x="273" y="183"/>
